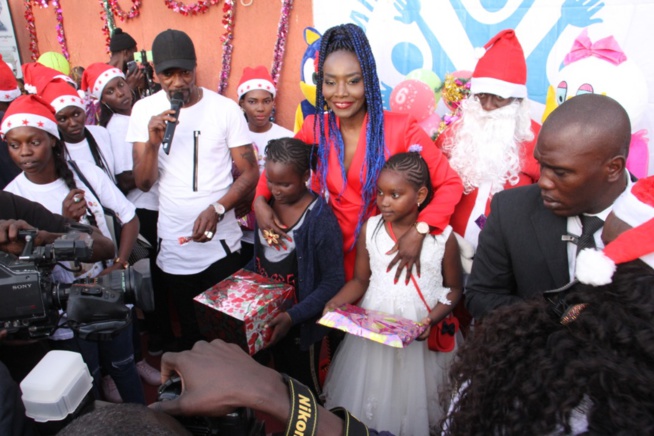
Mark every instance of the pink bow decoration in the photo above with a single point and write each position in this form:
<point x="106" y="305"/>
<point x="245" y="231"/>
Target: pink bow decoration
<point x="606" y="49"/>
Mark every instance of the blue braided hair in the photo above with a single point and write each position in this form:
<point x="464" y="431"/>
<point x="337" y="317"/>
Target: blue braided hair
<point x="349" y="37"/>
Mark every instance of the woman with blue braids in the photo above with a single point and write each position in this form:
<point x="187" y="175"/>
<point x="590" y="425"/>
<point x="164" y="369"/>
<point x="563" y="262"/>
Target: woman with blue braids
<point x="354" y="139"/>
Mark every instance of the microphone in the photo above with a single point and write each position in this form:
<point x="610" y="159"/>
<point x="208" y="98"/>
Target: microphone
<point x="175" y="104"/>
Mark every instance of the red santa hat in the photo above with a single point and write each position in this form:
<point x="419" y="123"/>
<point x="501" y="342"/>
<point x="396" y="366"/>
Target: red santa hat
<point x="636" y="208"/>
<point x="61" y="95"/>
<point x="502" y="69"/>
<point x="9" y="89"/>
<point x="36" y="76"/>
<point x="96" y="76"/>
<point x="30" y="111"/>
<point x="255" y="78"/>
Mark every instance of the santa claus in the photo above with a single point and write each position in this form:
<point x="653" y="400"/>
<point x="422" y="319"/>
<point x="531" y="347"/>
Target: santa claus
<point x="491" y="146"/>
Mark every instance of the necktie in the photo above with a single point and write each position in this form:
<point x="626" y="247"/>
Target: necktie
<point x="589" y="225"/>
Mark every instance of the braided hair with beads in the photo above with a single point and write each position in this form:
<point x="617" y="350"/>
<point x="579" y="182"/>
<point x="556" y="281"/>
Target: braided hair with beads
<point x="350" y="37"/>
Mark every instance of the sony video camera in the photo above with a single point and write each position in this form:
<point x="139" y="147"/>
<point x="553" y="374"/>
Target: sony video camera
<point x="30" y="299"/>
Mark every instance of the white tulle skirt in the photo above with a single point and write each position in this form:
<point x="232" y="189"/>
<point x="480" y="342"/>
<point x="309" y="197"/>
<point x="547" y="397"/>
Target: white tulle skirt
<point x="396" y="390"/>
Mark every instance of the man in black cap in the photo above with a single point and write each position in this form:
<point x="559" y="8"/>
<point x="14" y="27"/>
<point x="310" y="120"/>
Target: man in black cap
<point x="198" y="232"/>
<point x="122" y="47"/>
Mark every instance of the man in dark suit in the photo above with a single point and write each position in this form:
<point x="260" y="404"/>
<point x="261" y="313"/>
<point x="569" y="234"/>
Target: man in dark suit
<point x="530" y="240"/>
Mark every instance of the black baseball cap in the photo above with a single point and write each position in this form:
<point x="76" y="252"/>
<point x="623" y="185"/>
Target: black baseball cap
<point x="173" y="49"/>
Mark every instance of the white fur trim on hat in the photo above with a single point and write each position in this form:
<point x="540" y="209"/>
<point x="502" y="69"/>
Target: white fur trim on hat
<point x="29" y="120"/>
<point x="102" y="81"/>
<point x="67" y="100"/>
<point x="254" y="84"/>
<point x="631" y="210"/>
<point x="489" y="85"/>
<point x="593" y="267"/>
<point x="9" y="95"/>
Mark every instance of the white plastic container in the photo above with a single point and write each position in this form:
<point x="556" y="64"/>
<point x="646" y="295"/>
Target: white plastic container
<point x="56" y="386"/>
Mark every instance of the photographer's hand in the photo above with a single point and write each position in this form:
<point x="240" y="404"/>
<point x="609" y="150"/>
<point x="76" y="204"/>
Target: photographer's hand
<point x="218" y="377"/>
<point x="10" y="241"/>
<point x="136" y="80"/>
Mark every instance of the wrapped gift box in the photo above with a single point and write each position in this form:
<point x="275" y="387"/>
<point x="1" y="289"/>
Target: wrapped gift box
<point x="237" y="309"/>
<point x="381" y="327"/>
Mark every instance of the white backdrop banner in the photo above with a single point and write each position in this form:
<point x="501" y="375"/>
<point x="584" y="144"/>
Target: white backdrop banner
<point x="441" y="35"/>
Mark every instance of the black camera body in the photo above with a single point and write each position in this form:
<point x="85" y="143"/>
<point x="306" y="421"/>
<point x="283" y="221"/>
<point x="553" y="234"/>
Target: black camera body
<point x="241" y="422"/>
<point x="30" y="300"/>
<point x="144" y="58"/>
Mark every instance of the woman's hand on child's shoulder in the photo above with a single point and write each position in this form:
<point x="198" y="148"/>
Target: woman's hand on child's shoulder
<point x="269" y="223"/>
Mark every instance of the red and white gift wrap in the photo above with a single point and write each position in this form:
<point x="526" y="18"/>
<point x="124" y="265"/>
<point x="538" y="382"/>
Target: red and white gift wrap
<point x="238" y="309"/>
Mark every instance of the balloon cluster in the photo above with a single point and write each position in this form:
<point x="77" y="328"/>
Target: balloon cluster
<point x="418" y="95"/>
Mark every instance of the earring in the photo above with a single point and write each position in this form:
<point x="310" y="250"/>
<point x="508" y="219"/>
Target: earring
<point x="418" y="204"/>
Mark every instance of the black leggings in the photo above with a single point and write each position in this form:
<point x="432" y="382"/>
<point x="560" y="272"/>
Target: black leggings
<point x="183" y="288"/>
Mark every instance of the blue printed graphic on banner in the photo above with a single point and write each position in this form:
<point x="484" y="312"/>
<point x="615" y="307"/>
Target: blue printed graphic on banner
<point x="407" y="56"/>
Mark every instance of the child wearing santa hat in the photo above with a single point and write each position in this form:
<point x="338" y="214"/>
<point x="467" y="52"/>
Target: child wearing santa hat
<point x="256" y="96"/>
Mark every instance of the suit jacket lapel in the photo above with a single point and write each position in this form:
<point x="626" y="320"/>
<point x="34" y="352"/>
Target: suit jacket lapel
<point x="548" y="229"/>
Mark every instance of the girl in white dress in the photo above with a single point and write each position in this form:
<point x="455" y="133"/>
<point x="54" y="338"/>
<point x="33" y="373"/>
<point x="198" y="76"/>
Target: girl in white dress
<point x="393" y="389"/>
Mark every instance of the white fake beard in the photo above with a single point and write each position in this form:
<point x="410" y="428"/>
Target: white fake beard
<point x="486" y="146"/>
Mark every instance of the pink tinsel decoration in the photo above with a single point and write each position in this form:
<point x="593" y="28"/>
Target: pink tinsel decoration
<point x="228" y="45"/>
<point x="280" y="45"/>
<point x="196" y="8"/>
<point x="61" y="35"/>
<point x="118" y="11"/>
<point x="31" y="27"/>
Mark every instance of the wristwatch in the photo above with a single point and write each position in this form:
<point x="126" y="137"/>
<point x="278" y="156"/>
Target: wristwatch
<point x="422" y="227"/>
<point x="220" y="210"/>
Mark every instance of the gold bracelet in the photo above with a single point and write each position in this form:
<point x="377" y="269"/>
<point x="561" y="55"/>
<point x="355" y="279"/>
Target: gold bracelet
<point x="121" y="263"/>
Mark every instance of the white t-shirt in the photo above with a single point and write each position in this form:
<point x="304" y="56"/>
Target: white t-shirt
<point x="51" y="195"/>
<point x="117" y="127"/>
<point x="260" y="141"/>
<point x="222" y="126"/>
<point x="81" y="151"/>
